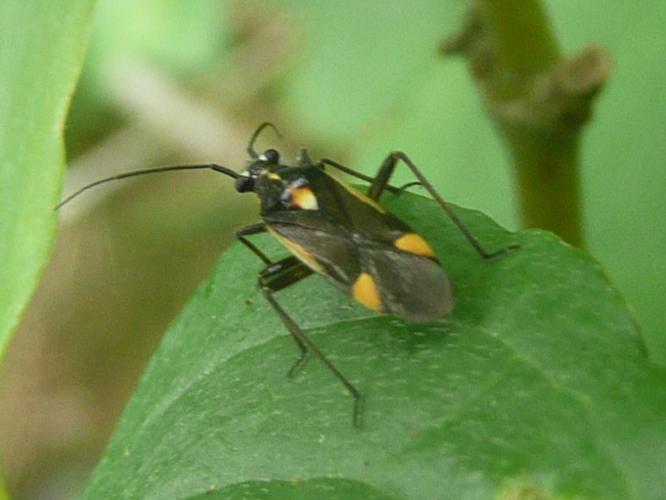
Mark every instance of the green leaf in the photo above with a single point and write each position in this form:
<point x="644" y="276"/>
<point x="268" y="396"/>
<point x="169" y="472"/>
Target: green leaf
<point x="537" y="383"/>
<point x="41" y="52"/>
<point x="341" y="489"/>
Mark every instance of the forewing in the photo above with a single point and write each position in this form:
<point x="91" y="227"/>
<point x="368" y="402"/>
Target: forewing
<point x="413" y="287"/>
<point x="323" y="246"/>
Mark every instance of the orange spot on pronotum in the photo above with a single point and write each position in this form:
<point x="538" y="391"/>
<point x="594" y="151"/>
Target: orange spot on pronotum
<point x="304" y="198"/>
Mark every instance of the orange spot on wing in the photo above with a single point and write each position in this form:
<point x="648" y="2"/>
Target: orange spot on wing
<point x="365" y="291"/>
<point x="413" y="243"/>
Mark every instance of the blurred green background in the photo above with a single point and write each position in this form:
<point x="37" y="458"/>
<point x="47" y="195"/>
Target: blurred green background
<point x="169" y="82"/>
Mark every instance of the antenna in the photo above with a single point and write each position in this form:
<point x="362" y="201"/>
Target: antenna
<point x="210" y="166"/>
<point x="250" y="147"/>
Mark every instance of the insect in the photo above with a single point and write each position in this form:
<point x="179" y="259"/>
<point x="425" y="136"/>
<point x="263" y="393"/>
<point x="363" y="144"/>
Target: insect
<point x="340" y="233"/>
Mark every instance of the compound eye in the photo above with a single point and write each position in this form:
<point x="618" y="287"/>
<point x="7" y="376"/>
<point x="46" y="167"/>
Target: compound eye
<point x="271" y="156"/>
<point x="244" y="184"/>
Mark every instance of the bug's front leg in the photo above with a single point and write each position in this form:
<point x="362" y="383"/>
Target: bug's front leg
<point x="280" y="275"/>
<point x="242" y="233"/>
<point x="380" y="183"/>
<point x="274" y="278"/>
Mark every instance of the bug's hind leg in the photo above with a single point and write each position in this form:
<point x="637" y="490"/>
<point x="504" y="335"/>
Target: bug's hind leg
<point x="380" y="183"/>
<point x="280" y="275"/>
<point x="358" y="175"/>
<point x="407" y="185"/>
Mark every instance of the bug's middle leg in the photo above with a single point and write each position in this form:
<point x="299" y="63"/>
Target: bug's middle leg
<point x="278" y="276"/>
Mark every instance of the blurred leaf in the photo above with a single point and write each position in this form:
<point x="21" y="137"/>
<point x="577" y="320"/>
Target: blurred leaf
<point x="41" y="51"/>
<point x="159" y="31"/>
<point x="357" y="69"/>
<point x="182" y="39"/>
<point x="538" y="382"/>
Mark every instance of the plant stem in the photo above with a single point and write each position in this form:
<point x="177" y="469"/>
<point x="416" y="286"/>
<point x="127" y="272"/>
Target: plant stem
<point x="549" y="186"/>
<point x="526" y="46"/>
<point x="539" y="102"/>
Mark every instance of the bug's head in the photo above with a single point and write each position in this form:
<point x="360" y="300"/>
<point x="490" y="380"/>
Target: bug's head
<point x="261" y="166"/>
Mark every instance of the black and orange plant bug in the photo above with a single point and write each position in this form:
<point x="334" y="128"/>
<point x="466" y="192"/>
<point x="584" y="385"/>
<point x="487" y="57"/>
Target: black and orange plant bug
<point x="340" y="233"/>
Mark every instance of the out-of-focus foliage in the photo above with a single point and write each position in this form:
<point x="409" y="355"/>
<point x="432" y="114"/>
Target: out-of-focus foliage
<point x="3" y="492"/>
<point x="41" y="52"/>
